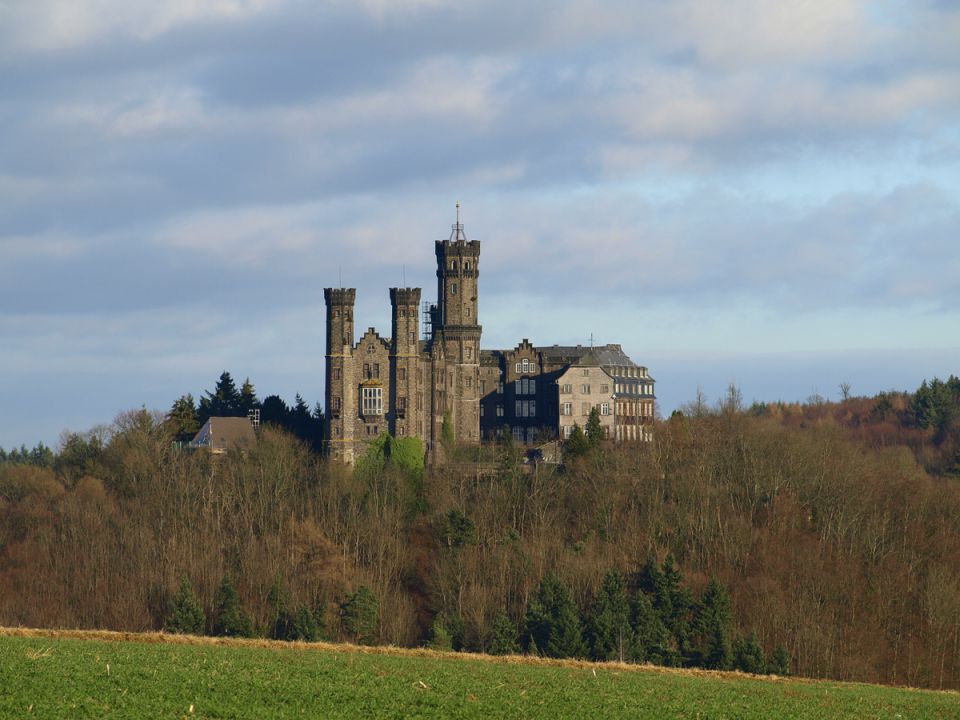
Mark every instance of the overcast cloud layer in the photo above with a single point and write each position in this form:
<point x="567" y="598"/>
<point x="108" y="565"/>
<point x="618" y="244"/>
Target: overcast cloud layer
<point x="759" y="192"/>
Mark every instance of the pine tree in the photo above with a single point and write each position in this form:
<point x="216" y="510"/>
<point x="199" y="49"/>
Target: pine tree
<point x="577" y="445"/>
<point x="653" y="643"/>
<point x="186" y="615"/>
<point x="594" y="431"/>
<point x="553" y="622"/>
<point x="224" y="401"/>
<point x="503" y="636"/>
<point x="748" y="655"/>
<point x="610" y="632"/>
<point x="275" y="411"/>
<point x="712" y="628"/>
<point x="439" y="635"/>
<point x="360" y="614"/>
<point x="780" y="662"/>
<point x="248" y="398"/>
<point x="232" y="619"/>
<point x="182" y="420"/>
<point x="281" y="621"/>
<point x="674" y="603"/>
<point x="307" y="625"/>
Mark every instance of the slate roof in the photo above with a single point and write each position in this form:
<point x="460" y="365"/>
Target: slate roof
<point x="220" y="434"/>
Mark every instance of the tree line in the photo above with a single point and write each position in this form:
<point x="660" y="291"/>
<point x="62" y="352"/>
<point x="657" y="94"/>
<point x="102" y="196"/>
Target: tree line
<point x="186" y="416"/>
<point x="819" y="536"/>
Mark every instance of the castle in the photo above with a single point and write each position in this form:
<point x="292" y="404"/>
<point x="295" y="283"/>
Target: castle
<point x="411" y="385"/>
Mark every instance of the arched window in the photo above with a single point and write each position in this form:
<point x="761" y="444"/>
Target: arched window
<point x="453" y="264"/>
<point x="453" y="289"/>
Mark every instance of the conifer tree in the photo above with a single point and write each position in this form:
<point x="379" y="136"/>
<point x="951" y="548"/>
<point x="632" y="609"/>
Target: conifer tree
<point x="503" y="636"/>
<point x="281" y="621"/>
<point x="577" y="445"/>
<point x="232" y="620"/>
<point x="186" y="615"/>
<point x="248" y="398"/>
<point x="360" y="614"/>
<point x="780" y="662"/>
<point x="594" y="431"/>
<point x="224" y="401"/>
<point x="748" y="655"/>
<point x="439" y="638"/>
<point x="653" y="643"/>
<point x="712" y="628"/>
<point x="609" y="629"/>
<point x="553" y="622"/>
<point x="307" y="625"/>
<point x="182" y="420"/>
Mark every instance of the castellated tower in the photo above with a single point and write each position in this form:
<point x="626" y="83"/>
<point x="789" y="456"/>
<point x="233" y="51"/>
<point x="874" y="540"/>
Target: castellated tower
<point x="341" y="401"/>
<point x="406" y="387"/>
<point x="456" y="337"/>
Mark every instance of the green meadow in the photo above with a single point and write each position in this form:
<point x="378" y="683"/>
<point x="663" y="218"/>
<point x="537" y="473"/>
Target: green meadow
<point x="54" y="676"/>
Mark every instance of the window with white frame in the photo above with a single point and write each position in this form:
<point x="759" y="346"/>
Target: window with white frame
<point x="585" y="389"/>
<point x="518" y="434"/>
<point x="566" y="388"/>
<point x="372" y="400"/>
<point x="525" y="365"/>
<point x="567" y="409"/>
<point x="517" y="368"/>
<point x="499" y="410"/>
<point x="604" y="408"/>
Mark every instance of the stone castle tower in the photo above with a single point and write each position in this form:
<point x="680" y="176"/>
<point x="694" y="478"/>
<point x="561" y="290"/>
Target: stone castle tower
<point x="407" y="385"/>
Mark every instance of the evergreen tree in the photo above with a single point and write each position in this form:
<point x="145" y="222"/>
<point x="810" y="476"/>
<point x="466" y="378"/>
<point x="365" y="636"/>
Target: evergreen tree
<point x="232" y="619"/>
<point x="780" y="662"/>
<point x="248" y="398"/>
<point x="503" y="636"/>
<point x="712" y="628"/>
<point x="275" y="411"/>
<point x="553" y="622"/>
<point x="360" y="614"/>
<point x="653" y="643"/>
<point x="439" y="638"/>
<point x="186" y="615"/>
<point x="672" y="601"/>
<point x="609" y="629"/>
<point x="183" y="421"/>
<point x="307" y="625"/>
<point x="577" y="445"/>
<point x="281" y="621"/>
<point x="594" y="431"/>
<point x="224" y="401"/>
<point x="748" y="655"/>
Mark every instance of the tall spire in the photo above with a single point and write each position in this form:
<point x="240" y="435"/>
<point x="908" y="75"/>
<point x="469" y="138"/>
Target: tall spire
<point x="456" y="230"/>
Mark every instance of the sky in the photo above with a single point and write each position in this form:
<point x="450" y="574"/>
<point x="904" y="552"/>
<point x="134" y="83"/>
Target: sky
<point x="736" y="191"/>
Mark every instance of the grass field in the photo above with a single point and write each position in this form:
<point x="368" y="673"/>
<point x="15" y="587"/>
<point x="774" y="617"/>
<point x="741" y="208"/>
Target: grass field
<point x="94" y="675"/>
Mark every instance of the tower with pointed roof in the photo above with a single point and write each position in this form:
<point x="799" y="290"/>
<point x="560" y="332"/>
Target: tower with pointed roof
<point x="455" y="345"/>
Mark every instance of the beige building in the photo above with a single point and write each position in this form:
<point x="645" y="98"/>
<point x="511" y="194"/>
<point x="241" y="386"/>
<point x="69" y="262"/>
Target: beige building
<point x="580" y="389"/>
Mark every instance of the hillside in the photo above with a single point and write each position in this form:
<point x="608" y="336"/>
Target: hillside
<point x="824" y="537"/>
<point x="104" y="675"/>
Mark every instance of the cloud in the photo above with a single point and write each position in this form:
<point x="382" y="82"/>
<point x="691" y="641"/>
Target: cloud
<point x="708" y="160"/>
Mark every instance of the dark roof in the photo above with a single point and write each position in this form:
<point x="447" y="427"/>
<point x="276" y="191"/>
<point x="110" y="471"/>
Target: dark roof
<point x="220" y="434"/>
<point x="603" y="355"/>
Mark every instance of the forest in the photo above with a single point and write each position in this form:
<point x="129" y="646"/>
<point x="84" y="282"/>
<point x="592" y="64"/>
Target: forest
<point x="820" y="539"/>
